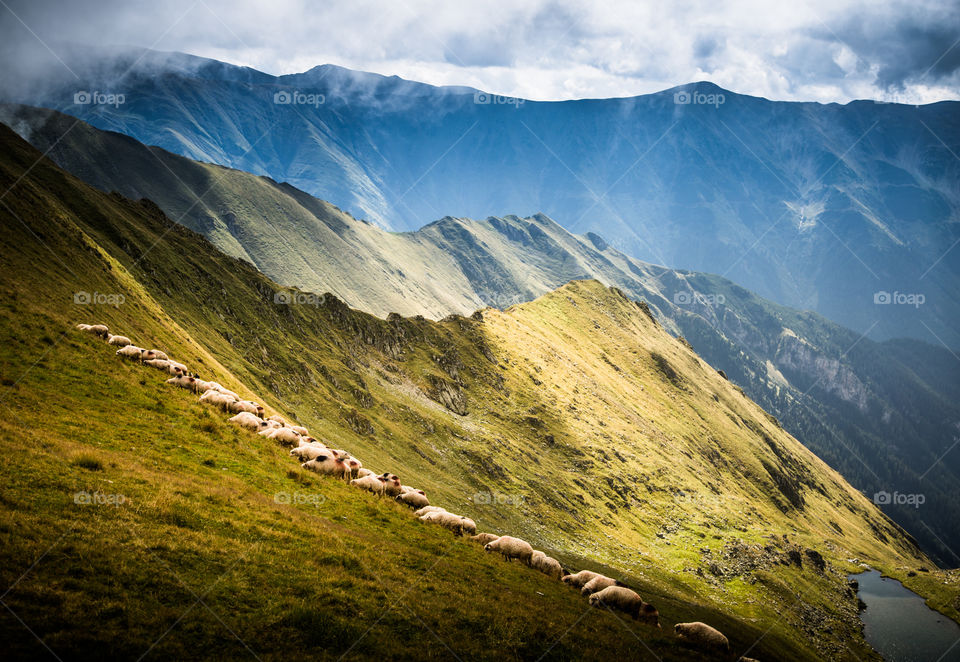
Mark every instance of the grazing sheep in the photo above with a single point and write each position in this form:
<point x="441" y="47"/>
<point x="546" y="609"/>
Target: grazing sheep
<point x="309" y="452"/>
<point x="202" y="386"/>
<point x="299" y="429"/>
<point x="622" y="598"/>
<point x="273" y="425"/>
<point x="217" y="399"/>
<point x="551" y="568"/>
<point x="130" y="352"/>
<point x="374" y="484"/>
<point x="183" y="381"/>
<point x="446" y="520"/>
<point x="100" y="330"/>
<point x="415" y="498"/>
<point x="702" y="635"/>
<point x="154" y="354"/>
<point x="166" y="365"/>
<point x="83" y="327"/>
<point x="246" y="405"/>
<point x="429" y="509"/>
<point x="546" y="564"/>
<point x="365" y="472"/>
<point x="484" y="538"/>
<point x="578" y="580"/>
<point x="247" y="420"/>
<point x="597" y="584"/>
<point x="391" y="485"/>
<point x="469" y="526"/>
<point x="511" y="548"/>
<point x="118" y="340"/>
<point x="227" y="391"/>
<point x="354" y="465"/>
<point x="329" y="465"/>
<point x="277" y="418"/>
<point x="650" y="615"/>
<point x="284" y="436"/>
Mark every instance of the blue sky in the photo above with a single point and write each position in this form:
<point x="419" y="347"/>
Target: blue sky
<point x="818" y="50"/>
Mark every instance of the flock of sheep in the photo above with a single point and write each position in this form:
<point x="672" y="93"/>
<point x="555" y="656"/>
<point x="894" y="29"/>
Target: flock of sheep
<point x="601" y="590"/>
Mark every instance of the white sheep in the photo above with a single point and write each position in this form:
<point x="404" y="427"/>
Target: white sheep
<point x="354" y="465"/>
<point x="373" y="484"/>
<point x="130" y="352"/>
<point x="227" y="391"/>
<point x="299" y="429"/>
<point x="284" y="436"/>
<point x="702" y="635"/>
<point x="97" y="330"/>
<point x="183" y="381"/>
<point x="580" y="578"/>
<point x="154" y="354"/>
<point x="202" y="386"/>
<point x="511" y="548"/>
<point x="273" y="426"/>
<point x="597" y="584"/>
<point x="83" y="327"/>
<point x="238" y="406"/>
<point x="277" y="418"/>
<point x="217" y="399"/>
<point x="484" y="538"/>
<point x="429" y="509"/>
<point x="549" y="566"/>
<point x="622" y="598"/>
<point x="446" y="520"/>
<point x="167" y="365"/>
<point x="391" y="485"/>
<point x="329" y="465"/>
<point x="309" y="452"/>
<point x="469" y="526"/>
<point x="415" y="498"/>
<point x="247" y="420"/>
<point x="122" y="341"/>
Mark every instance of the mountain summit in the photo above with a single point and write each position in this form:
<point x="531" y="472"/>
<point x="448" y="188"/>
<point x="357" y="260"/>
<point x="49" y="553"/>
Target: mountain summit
<point x="846" y="210"/>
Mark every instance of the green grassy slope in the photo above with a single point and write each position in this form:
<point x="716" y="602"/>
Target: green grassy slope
<point x="883" y="414"/>
<point x="598" y="436"/>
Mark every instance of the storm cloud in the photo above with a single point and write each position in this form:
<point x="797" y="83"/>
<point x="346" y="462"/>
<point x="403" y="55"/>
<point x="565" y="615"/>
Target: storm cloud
<point x="822" y="50"/>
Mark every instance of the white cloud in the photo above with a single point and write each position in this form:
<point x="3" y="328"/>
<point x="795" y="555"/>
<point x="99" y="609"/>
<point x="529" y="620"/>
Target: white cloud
<point x="820" y="50"/>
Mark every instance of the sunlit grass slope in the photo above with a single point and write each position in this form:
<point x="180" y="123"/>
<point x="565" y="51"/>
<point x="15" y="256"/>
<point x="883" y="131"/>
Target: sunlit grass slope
<point x="574" y="421"/>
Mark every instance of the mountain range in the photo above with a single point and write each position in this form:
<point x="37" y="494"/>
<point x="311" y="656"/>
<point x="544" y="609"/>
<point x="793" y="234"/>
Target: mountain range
<point x="847" y="210"/>
<point x="575" y="421"/>
<point x="883" y="414"/>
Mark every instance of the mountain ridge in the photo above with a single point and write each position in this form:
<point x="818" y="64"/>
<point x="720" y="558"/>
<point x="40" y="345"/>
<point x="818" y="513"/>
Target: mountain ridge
<point x="684" y="474"/>
<point x="841" y="394"/>
<point x="812" y="206"/>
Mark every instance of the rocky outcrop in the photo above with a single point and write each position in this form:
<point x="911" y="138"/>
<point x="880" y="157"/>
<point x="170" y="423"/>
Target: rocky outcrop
<point x="798" y="356"/>
<point x="448" y="394"/>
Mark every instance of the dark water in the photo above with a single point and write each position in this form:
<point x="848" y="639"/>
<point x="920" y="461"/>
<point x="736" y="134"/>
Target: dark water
<point x="900" y="626"/>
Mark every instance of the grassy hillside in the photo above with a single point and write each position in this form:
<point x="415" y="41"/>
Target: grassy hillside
<point x="883" y="414"/>
<point x="583" y="427"/>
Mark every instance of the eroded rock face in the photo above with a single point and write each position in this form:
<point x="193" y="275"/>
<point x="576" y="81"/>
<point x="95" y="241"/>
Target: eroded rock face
<point x="448" y="394"/>
<point x="834" y="377"/>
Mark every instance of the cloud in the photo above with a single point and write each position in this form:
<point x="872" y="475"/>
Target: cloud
<point x="821" y="50"/>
